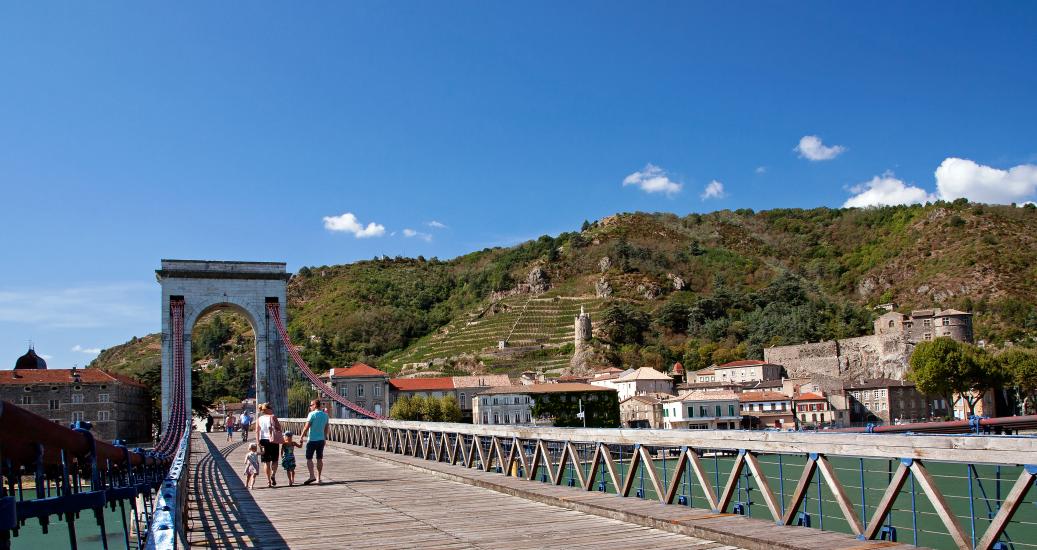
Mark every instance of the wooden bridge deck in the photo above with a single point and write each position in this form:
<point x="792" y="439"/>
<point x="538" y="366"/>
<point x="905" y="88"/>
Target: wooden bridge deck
<point x="374" y="504"/>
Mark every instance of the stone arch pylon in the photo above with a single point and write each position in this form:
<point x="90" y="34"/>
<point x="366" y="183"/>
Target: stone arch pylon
<point x="245" y="287"/>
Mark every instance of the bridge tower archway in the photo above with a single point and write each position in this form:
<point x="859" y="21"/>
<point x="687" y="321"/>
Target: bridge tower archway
<point x="245" y="287"/>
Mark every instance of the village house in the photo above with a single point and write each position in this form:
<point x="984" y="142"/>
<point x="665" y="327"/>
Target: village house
<point x="702" y="410"/>
<point x="362" y="384"/>
<point x="642" y="381"/>
<point x="748" y="370"/>
<point x="643" y="411"/>
<point x="984" y="407"/>
<point x="766" y="409"/>
<point x="462" y="388"/>
<point x="816" y="411"/>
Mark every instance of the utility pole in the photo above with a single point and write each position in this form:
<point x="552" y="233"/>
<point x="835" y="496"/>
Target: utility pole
<point x="581" y="414"/>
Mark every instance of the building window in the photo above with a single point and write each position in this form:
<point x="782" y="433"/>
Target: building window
<point x="103" y="397"/>
<point x="783" y="406"/>
<point x="77" y="398"/>
<point x="890" y="323"/>
<point x="496" y="418"/>
<point x="946" y="321"/>
<point x="77" y="416"/>
<point x="495" y="402"/>
<point x="55" y="404"/>
<point x="484" y="418"/>
<point x="928" y="336"/>
<point x="104" y="416"/>
<point x="702" y="411"/>
<point x="343" y="390"/>
<point x="716" y="409"/>
<point x="507" y="419"/>
<point x="485" y="401"/>
<point x="731" y="410"/>
<point x="528" y="419"/>
<point x="377" y="390"/>
<point x="666" y="412"/>
<point x="464" y="401"/>
<point x="359" y="390"/>
<point x="26" y="400"/>
<point x="926" y="323"/>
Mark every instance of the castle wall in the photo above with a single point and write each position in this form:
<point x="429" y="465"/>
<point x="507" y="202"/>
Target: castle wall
<point x="875" y="356"/>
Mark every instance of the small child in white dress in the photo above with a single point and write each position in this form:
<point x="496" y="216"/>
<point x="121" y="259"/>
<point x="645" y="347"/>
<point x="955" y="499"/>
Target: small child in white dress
<point x="251" y="466"/>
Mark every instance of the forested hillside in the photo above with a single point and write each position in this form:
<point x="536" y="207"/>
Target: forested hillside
<point x="700" y="288"/>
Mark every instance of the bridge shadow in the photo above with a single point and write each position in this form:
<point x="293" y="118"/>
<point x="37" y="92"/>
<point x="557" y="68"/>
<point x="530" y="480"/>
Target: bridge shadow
<point x="225" y="514"/>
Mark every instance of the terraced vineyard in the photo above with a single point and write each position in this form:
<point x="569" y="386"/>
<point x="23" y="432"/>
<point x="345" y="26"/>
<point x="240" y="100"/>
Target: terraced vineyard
<point x="532" y="326"/>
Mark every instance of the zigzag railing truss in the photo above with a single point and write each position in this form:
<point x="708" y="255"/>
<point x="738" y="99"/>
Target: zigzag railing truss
<point x="274" y="311"/>
<point x="614" y="460"/>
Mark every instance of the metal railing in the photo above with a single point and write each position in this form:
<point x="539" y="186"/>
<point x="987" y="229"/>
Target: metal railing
<point x="168" y="526"/>
<point x="939" y="491"/>
<point x="50" y="471"/>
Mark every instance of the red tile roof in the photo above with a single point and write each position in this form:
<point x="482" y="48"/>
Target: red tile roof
<point x="753" y="396"/>
<point x="422" y="384"/>
<point x="64" y="376"/>
<point x="743" y="363"/>
<point x="809" y="397"/>
<point x="357" y="369"/>
<point x="678" y="368"/>
<point x="545" y="388"/>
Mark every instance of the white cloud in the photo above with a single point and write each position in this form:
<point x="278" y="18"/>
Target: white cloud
<point x="436" y="225"/>
<point x="79" y="307"/>
<point x="885" y="190"/>
<point x="46" y="357"/>
<point x="957" y="178"/>
<point x="87" y="351"/>
<point x="715" y="190"/>
<point x="761" y="170"/>
<point x="347" y="223"/>
<point x="410" y="233"/>
<point x="653" y="180"/>
<point x="811" y="148"/>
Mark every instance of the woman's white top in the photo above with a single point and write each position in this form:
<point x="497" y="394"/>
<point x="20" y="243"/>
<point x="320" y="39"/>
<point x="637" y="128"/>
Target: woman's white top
<point x="264" y="425"/>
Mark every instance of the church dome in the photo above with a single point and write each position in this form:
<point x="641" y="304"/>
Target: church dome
<point x="31" y="361"/>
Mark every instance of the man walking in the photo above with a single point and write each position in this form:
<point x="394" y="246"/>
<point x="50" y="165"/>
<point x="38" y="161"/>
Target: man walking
<point x="317" y="427"/>
<point x="246" y="420"/>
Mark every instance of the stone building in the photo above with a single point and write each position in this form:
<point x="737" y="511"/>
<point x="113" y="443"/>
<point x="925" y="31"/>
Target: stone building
<point x="117" y="406"/>
<point x="362" y="384"/>
<point x="643" y="411"/>
<point x="887" y="401"/>
<point x="642" y="381"/>
<point x="816" y="410"/>
<point x="884" y="354"/>
<point x="581" y="330"/>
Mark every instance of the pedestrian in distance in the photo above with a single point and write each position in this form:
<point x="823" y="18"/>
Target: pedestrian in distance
<point x="246" y="422"/>
<point x="229" y="425"/>
<point x="288" y="456"/>
<point x="316" y="427"/>
<point x="208" y="423"/>
<point x="251" y="467"/>
<point x="270" y="438"/>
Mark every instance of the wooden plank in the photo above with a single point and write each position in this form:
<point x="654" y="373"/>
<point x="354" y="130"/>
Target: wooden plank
<point x="1015" y="497"/>
<point x="732" y="481"/>
<point x="700" y="474"/>
<point x="896" y="483"/>
<point x="840" y="495"/>
<point x="764" y="486"/>
<point x="801" y="490"/>
<point x="943" y="510"/>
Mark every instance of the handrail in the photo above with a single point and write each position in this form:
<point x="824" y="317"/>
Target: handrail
<point x="72" y="472"/>
<point x="168" y="528"/>
<point x="668" y="464"/>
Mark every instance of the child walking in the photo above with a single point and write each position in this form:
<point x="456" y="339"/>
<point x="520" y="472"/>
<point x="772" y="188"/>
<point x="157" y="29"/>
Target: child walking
<point x="251" y="466"/>
<point x="288" y="456"/>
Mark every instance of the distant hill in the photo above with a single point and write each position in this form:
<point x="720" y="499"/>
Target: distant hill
<point x="662" y="287"/>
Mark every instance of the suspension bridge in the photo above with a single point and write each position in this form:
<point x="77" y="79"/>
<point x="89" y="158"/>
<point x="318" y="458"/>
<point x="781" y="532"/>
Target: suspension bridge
<point x="392" y="484"/>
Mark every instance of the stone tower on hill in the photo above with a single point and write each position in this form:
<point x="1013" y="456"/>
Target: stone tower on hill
<point x="581" y="330"/>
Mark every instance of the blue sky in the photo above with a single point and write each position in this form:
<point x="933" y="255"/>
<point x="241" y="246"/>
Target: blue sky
<point x="130" y="133"/>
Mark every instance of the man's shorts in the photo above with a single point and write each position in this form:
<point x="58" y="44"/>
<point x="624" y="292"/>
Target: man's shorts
<point x="315" y="447"/>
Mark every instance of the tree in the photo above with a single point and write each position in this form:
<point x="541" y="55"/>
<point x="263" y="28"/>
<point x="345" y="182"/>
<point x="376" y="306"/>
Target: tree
<point x="674" y="316"/>
<point x="430" y="409"/>
<point x="946" y="367"/>
<point x="449" y="409"/>
<point x="586" y="225"/>
<point x="404" y="409"/>
<point x="1020" y="367"/>
<point x="624" y="324"/>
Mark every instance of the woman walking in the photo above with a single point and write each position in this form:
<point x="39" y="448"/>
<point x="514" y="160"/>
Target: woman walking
<point x="270" y="438"/>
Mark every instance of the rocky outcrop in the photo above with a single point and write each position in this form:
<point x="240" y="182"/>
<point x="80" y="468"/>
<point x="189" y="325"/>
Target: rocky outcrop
<point x="538" y="280"/>
<point x="678" y="282"/>
<point x="649" y="290"/>
<point x="602" y="288"/>
<point x="604" y="264"/>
